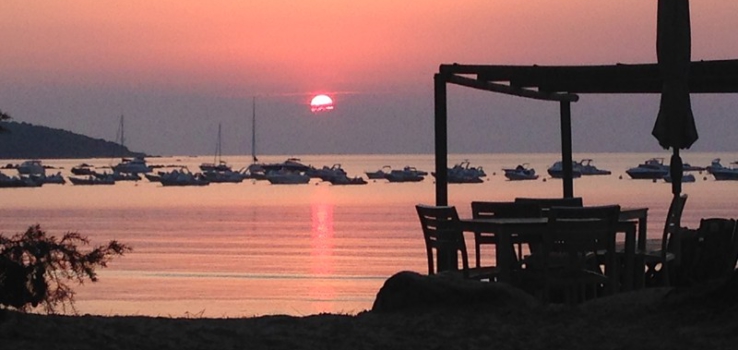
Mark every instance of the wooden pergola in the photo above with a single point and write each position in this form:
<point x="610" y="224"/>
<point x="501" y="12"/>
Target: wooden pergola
<point x="563" y="84"/>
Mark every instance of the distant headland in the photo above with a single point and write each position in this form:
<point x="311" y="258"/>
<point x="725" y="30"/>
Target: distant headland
<point x="27" y="141"/>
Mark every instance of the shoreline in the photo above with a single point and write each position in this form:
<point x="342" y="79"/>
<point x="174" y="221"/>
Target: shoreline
<point x="652" y="318"/>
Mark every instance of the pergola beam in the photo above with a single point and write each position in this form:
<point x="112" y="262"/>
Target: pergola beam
<point x="510" y="90"/>
<point x="562" y="84"/>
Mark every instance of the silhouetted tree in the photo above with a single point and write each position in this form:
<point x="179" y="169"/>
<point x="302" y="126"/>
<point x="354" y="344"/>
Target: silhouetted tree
<point x="3" y="117"/>
<point x="35" y="268"/>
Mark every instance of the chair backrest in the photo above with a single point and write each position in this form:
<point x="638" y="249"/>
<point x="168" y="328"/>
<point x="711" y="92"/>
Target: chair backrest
<point x="483" y="210"/>
<point x="545" y="203"/>
<point x="442" y="233"/>
<point x="577" y="233"/>
<point x="670" y="241"/>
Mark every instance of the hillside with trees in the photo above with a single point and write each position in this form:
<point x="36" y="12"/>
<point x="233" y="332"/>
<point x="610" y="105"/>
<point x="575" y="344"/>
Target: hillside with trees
<point x="27" y="141"/>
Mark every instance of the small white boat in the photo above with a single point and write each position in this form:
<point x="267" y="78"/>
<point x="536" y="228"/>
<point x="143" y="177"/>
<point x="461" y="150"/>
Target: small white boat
<point x="31" y="167"/>
<point x="132" y="165"/>
<point x="182" y="177"/>
<point x="686" y="178"/>
<point x="345" y="180"/>
<point x="17" y="181"/>
<point x="464" y="173"/>
<point x="379" y="174"/>
<point x="721" y="172"/>
<point x="92" y="180"/>
<point x="653" y="168"/>
<point x="520" y="172"/>
<point x="407" y="174"/>
<point x="223" y="176"/>
<point x="557" y="170"/>
<point x="326" y="174"/>
<point x="287" y="177"/>
<point x="586" y="168"/>
<point x="57" y="178"/>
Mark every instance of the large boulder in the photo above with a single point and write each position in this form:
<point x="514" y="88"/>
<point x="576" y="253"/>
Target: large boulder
<point x="408" y="290"/>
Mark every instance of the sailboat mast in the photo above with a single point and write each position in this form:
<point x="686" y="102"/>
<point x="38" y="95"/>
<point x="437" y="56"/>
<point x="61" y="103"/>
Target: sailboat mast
<point x="253" y="129"/>
<point x="218" y="153"/>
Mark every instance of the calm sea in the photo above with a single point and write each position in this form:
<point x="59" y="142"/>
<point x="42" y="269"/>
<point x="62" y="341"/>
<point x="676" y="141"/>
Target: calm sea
<point x="230" y="250"/>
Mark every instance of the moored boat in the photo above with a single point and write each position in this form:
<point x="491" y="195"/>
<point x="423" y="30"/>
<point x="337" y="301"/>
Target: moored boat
<point x="557" y="170"/>
<point x="721" y="172"/>
<point x="287" y="177"/>
<point x="345" y="180"/>
<point x="92" y="180"/>
<point x="653" y="168"/>
<point x="520" y="172"/>
<point x="31" y="167"/>
<point x="132" y="165"/>
<point x="379" y="174"/>
<point x="407" y="174"/>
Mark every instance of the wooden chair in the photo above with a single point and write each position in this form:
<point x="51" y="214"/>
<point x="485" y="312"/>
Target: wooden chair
<point x="568" y="258"/>
<point x="661" y="253"/>
<point x="483" y="210"/>
<point x="545" y="204"/>
<point x="709" y="254"/>
<point x="443" y="234"/>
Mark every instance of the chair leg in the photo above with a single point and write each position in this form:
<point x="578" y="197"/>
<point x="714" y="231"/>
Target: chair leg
<point x="477" y="253"/>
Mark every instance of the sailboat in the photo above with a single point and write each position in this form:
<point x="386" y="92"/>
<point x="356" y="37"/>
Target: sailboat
<point x="254" y="171"/>
<point x="219" y="171"/>
<point x="218" y="164"/>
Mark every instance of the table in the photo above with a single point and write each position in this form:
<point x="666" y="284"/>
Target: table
<point x="531" y="229"/>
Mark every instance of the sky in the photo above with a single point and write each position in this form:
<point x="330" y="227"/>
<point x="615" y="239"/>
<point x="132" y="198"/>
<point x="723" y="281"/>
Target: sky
<point x="176" y="69"/>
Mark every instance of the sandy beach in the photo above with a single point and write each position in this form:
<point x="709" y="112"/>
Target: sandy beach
<point x="648" y="319"/>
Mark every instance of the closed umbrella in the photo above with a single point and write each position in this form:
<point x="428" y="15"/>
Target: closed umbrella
<point x="675" y="127"/>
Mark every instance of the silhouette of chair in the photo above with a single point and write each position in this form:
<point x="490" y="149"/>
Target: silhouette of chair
<point x="484" y="210"/>
<point x="710" y="253"/>
<point x="661" y="253"/>
<point x="568" y="259"/>
<point x="443" y="236"/>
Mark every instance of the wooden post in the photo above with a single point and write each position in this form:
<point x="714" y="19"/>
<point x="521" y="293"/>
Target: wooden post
<point x="441" y="138"/>
<point x="566" y="161"/>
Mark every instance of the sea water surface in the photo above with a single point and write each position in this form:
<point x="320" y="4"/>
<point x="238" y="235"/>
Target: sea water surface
<point x="233" y="250"/>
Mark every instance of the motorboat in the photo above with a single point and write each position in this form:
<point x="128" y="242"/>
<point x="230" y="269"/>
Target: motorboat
<point x="379" y="174"/>
<point x="464" y="173"/>
<point x="721" y="172"/>
<point x="653" y="168"/>
<point x="221" y="166"/>
<point x="254" y="172"/>
<point x="686" y="178"/>
<point x="345" y="180"/>
<point x="92" y="180"/>
<point x="17" y="181"/>
<point x="132" y="165"/>
<point x="407" y="174"/>
<point x="31" y="167"/>
<point x="57" y="178"/>
<point x="287" y="177"/>
<point x="586" y="168"/>
<point x="291" y="164"/>
<point x="118" y="176"/>
<point x="520" y="172"/>
<point x="182" y="177"/>
<point x="557" y="170"/>
<point x="82" y="169"/>
<point x="223" y="176"/>
<point x="327" y="173"/>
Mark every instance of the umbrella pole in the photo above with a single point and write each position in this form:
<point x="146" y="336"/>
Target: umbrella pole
<point x="676" y="168"/>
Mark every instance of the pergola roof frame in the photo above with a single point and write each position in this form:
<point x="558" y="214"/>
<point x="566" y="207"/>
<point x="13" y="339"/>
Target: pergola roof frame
<point x="562" y="84"/>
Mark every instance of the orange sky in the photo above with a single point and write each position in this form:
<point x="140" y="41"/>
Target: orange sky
<point x="244" y="48"/>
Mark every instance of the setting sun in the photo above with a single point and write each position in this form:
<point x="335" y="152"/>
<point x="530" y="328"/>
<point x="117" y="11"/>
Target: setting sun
<point x="321" y="103"/>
